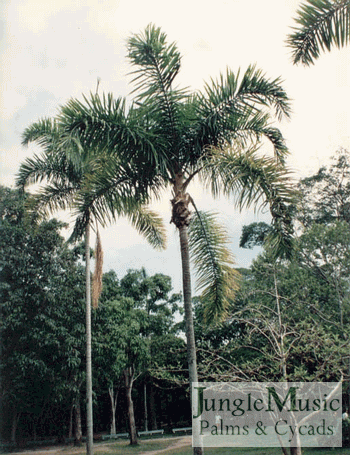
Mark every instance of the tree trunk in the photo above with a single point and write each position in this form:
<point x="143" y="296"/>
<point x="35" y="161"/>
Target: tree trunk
<point x="89" y="418"/>
<point x="114" y="397"/>
<point x="181" y="217"/>
<point x="70" y="431"/>
<point x="295" y="451"/>
<point x="187" y="293"/>
<point x="145" y="405"/>
<point x="152" y="409"/>
<point x="129" y="379"/>
<point x="78" y="433"/>
<point x="15" y="420"/>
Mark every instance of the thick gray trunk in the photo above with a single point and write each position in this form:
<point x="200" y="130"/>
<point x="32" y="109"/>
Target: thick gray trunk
<point x="187" y="293"/>
<point x="89" y="419"/>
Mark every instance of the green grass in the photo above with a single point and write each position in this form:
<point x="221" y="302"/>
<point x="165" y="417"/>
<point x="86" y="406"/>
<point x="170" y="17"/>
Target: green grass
<point x="255" y="451"/>
<point x="144" y="446"/>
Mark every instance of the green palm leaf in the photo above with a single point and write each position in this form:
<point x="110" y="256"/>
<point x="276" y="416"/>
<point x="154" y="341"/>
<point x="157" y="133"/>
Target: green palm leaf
<point x="252" y="179"/>
<point x="158" y="63"/>
<point x="150" y="225"/>
<point x="216" y="277"/>
<point x="234" y="109"/>
<point x="52" y="198"/>
<point x="322" y="24"/>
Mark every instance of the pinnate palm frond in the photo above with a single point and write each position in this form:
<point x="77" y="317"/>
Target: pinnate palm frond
<point x="47" y="167"/>
<point x="149" y="224"/>
<point x="158" y="63"/>
<point x="217" y="279"/>
<point x="104" y="124"/>
<point x="231" y="93"/>
<point x="239" y="110"/>
<point x="45" y="133"/>
<point x="250" y="179"/>
<point x="52" y="198"/>
<point x="111" y="189"/>
<point x="321" y="25"/>
<point x="252" y="128"/>
<point x="58" y="161"/>
<point x="93" y="119"/>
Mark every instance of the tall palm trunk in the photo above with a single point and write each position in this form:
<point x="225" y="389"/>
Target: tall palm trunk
<point x="181" y="218"/>
<point x="89" y="420"/>
<point x="187" y="293"/>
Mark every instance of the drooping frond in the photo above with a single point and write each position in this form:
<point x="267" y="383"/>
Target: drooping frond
<point x="250" y="179"/>
<point x="48" y="167"/>
<point x="150" y="225"/>
<point x="241" y="110"/>
<point x="57" y="162"/>
<point x="103" y="124"/>
<point x="217" y="279"/>
<point x="232" y="94"/>
<point x="321" y="25"/>
<point x="45" y="133"/>
<point x="52" y="198"/>
<point x="98" y="272"/>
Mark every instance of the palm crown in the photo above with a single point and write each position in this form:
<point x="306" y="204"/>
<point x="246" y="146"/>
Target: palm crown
<point x="171" y="135"/>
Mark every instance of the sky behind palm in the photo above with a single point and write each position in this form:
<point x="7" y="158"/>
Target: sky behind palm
<point x="53" y="51"/>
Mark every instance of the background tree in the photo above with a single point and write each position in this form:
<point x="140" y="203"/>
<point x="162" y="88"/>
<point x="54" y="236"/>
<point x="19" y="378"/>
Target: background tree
<point x="325" y="196"/>
<point x="42" y="316"/>
<point x="135" y="313"/>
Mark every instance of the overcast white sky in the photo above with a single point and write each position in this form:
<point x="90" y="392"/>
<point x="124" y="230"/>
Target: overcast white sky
<point x="51" y="51"/>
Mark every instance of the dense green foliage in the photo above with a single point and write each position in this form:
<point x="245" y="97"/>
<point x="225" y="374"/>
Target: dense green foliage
<point x="43" y="327"/>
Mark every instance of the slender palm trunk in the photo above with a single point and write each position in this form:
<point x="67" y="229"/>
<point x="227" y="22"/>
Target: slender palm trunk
<point x="186" y="282"/>
<point x="89" y="420"/>
<point x="187" y="293"/>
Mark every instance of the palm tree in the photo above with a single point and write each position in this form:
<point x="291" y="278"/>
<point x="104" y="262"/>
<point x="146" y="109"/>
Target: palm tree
<point x="72" y="171"/>
<point x="214" y="135"/>
<point x="322" y="24"/>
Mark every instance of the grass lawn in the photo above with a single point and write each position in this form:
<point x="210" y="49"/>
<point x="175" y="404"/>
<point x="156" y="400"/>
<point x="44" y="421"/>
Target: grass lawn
<point x="124" y="448"/>
<point x="168" y="447"/>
